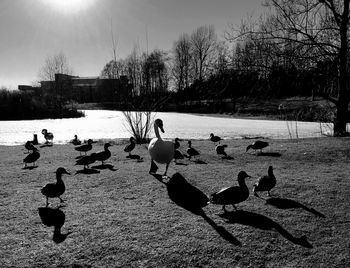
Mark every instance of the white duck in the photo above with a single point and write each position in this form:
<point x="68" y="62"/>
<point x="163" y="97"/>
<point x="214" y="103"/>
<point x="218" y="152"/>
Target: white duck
<point x="160" y="151"/>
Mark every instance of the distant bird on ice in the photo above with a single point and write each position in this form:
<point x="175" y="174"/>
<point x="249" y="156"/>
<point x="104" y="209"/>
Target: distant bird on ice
<point x="47" y="135"/>
<point x="76" y="141"/>
<point x="214" y="138"/>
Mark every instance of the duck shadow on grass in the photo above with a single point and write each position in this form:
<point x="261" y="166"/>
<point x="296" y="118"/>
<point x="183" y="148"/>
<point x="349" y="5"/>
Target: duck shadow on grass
<point x="105" y="166"/>
<point x="30" y="167"/>
<point x="135" y="157"/>
<point x="54" y="217"/>
<point x="227" y="157"/>
<point x="200" y="162"/>
<point x="271" y="154"/>
<point x="87" y="171"/>
<point x="264" y="223"/>
<point x="283" y="203"/>
<point x="46" y="145"/>
<point x="187" y="196"/>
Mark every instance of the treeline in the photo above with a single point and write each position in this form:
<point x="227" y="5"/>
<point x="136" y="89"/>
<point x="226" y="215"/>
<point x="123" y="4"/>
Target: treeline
<point x="22" y="105"/>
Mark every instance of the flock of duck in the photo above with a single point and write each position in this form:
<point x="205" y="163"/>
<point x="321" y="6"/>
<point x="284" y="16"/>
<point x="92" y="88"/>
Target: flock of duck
<point x="162" y="152"/>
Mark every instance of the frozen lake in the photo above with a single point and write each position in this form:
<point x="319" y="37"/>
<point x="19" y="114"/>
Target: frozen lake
<point x="107" y="124"/>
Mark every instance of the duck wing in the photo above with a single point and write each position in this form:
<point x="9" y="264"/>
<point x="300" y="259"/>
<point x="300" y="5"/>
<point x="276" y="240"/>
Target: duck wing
<point x="265" y="183"/>
<point x="129" y="147"/>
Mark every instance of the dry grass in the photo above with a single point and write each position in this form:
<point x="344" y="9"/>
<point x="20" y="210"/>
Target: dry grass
<point x="125" y="218"/>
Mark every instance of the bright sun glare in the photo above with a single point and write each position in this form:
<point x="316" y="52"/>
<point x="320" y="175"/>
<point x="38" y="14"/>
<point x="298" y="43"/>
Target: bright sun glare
<point x="68" y="6"/>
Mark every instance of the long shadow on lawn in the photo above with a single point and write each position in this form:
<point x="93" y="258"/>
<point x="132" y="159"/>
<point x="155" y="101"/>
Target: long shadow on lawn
<point x="187" y="196"/>
<point x="87" y="171"/>
<point x="56" y="218"/>
<point x="283" y="203"/>
<point x="105" y="166"/>
<point x="262" y="222"/>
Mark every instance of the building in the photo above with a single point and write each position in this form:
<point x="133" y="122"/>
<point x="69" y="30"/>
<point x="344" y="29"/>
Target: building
<point x="89" y="89"/>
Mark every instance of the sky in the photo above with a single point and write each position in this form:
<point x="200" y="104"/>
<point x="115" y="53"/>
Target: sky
<point x="32" y="30"/>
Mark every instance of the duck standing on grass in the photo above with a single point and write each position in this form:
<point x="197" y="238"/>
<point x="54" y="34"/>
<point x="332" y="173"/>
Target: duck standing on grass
<point x="191" y="151"/>
<point x="214" y="138"/>
<point x="232" y="195"/>
<point x="76" y="141"/>
<point x="103" y="155"/>
<point x="57" y="189"/>
<point x="128" y="148"/>
<point x="32" y="157"/>
<point x="160" y="151"/>
<point x="47" y="135"/>
<point x="86" y="160"/>
<point x="257" y="145"/>
<point x="220" y="149"/>
<point x="85" y="147"/>
<point x="29" y="146"/>
<point x="265" y="183"/>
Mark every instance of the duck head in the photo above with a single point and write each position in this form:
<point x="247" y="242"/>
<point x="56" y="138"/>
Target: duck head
<point x="270" y="170"/>
<point x="61" y="171"/>
<point x="44" y="131"/>
<point x="189" y="143"/>
<point x="248" y="147"/>
<point x="159" y="123"/>
<point x="132" y="139"/>
<point x="107" y="145"/>
<point x="211" y="135"/>
<point x="242" y="175"/>
<point x="89" y="141"/>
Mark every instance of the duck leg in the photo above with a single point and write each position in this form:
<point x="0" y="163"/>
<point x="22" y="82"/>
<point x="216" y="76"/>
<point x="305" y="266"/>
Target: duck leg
<point x="166" y="169"/>
<point x="268" y="194"/>
<point x="47" y="201"/>
<point x="61" y="200"/>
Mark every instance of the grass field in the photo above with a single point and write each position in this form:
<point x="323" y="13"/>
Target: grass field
<point x="124" y="217"/>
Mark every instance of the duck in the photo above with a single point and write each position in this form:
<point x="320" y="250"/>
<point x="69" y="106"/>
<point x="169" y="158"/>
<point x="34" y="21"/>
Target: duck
<point x="103" y="155"/>
<point x="214" y="138"/>
<point x="177" y="143"/>
<point x="52" y="190"/>
<point x="160" y="150"/>
<point x="76" y="141"/>
<point x="257" y="145"/>
<point x="86" y="160"/>
<point x="191" y="151"/>
<point x="232" y="195"/>
<point x="220" y="149"/>
<point x="265" y="183"/>
<point x="128" y="148"/>
<point x="28" y="145"/>
<point x="47" y="135"/>
<point x="32" y="157"/>
<point x="85" y="147"/>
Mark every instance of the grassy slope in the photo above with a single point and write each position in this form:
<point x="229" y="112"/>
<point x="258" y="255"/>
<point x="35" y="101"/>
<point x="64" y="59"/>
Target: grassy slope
<point x="125" y="217"/>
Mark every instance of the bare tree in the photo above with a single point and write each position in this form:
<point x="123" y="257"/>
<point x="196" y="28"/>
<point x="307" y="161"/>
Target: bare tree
<point x="203" y="41"/>
<point x="54" y="64"/>
<point x="182" y="62"/>
<point x="313" y="31"/>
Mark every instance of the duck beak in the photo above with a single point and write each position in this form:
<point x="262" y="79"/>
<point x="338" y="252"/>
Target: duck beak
<point x="67" y="173"/>
<point x="161" y="128"/>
